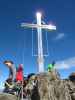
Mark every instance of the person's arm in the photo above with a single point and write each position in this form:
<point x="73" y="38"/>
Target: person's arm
<point x="13" y="72"/>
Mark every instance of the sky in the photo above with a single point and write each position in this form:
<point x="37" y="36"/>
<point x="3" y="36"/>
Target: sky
<point x="16" y="42"/>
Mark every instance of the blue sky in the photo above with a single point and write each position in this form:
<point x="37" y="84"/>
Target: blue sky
<point x="15" y="42"/>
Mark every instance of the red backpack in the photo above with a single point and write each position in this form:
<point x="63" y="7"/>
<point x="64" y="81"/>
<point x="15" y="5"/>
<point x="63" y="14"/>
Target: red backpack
<point x="19" y="73"/>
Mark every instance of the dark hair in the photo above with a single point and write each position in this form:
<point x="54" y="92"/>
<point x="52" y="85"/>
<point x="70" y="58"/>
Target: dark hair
<point x="30" y="75"/>
<point x="8" y="61"/>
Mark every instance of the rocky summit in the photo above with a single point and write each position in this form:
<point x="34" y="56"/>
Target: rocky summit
<point x="48" y="86"/>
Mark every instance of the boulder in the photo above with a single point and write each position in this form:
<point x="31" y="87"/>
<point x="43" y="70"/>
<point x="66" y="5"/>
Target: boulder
<point x="49" y="86"/>
<point x="6" y="96"/>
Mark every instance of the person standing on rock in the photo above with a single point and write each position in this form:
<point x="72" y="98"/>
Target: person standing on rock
<point x="12" y="69"/>
<point x="51" y="66"/>
<point x="19" y="73"/>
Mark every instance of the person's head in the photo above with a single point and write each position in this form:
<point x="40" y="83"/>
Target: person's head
<point x="20" y="68"/>
<point x="9" y="63"/>
<point x="53" y="63"/>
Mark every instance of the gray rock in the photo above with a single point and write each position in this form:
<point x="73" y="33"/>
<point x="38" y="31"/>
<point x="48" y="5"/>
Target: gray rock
<point x="47" y="86"/>
<point x="5" y="96"/>
<point x="51" y="87"/>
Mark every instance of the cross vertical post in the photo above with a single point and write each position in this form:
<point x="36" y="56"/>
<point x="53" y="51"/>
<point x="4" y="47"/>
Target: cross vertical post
<point x="40" y="45"/>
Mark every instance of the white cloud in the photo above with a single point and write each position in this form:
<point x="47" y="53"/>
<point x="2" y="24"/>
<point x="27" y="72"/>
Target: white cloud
<point x="65" y="64"/>
<point x="59" y="36"/>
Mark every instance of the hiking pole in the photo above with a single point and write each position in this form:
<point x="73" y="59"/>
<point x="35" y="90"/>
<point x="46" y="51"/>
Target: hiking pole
<point x="22" y="91"/>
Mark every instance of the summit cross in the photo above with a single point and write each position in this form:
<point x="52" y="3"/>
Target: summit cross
<point x="39" y="26"/>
